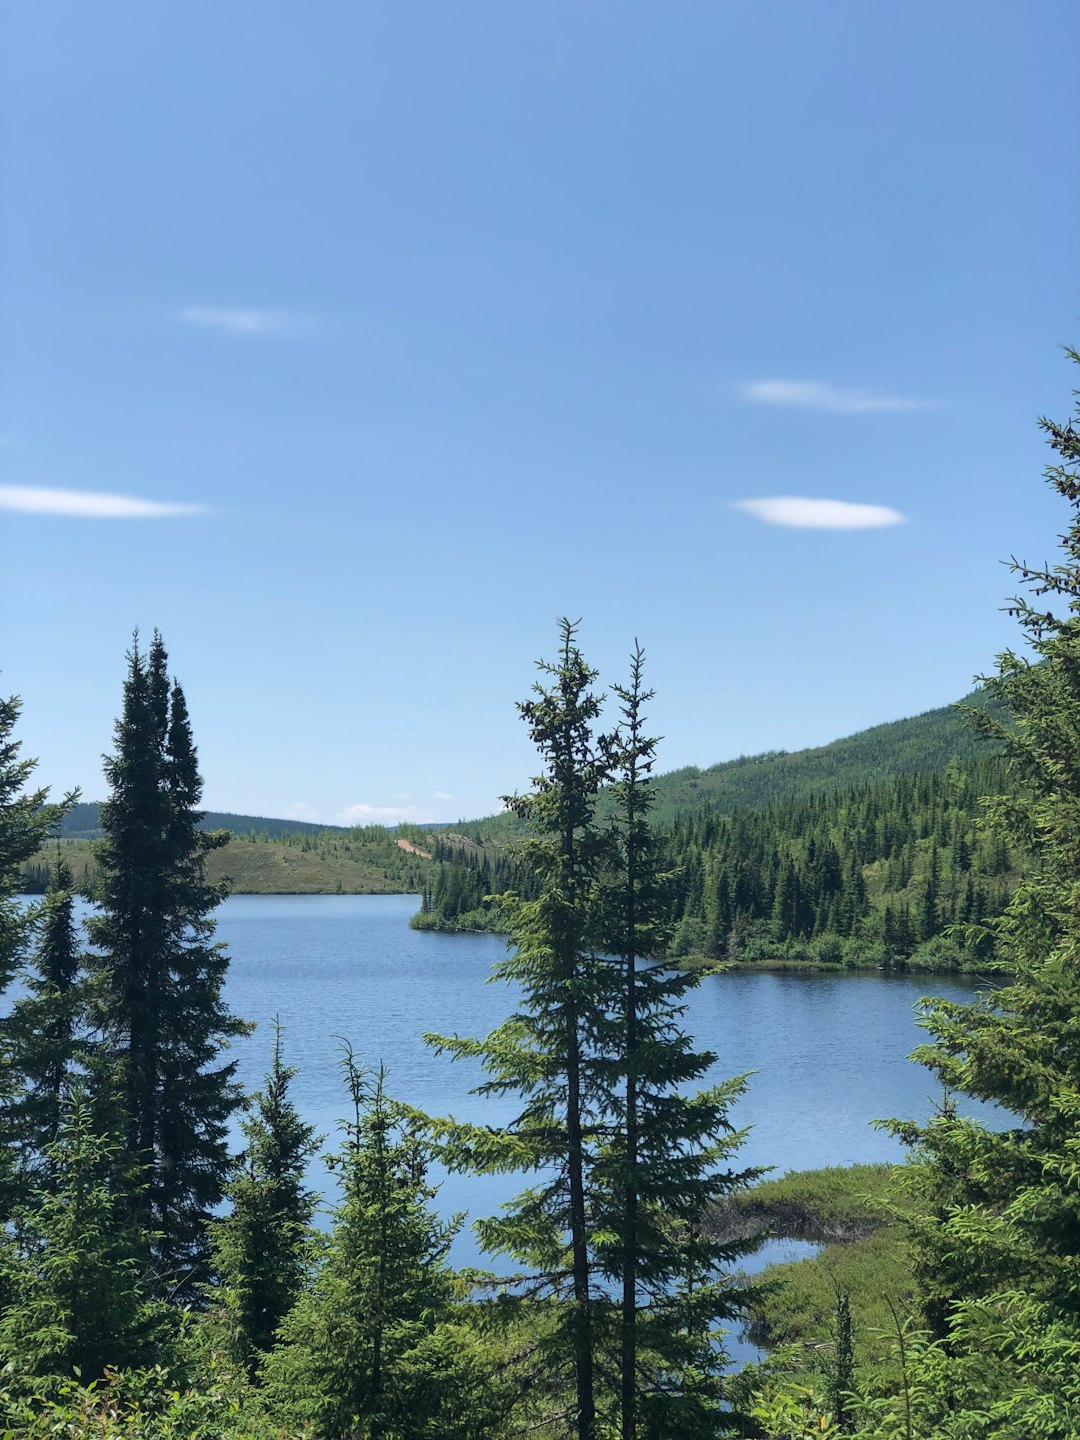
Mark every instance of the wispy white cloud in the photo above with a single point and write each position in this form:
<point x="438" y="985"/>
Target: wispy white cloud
<point x="816" y="395"/>
<point x="380" y="814"/>
<point x="442" y="795"/>
<point x="90" y="504"/>
<point x="801" y="513"/>
<point x="238" y="321"/>
<point x="301" y="808"/>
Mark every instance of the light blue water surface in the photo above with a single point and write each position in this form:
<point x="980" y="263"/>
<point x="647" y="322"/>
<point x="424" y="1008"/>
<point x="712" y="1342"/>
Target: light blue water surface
<point x="828" y="1052"/>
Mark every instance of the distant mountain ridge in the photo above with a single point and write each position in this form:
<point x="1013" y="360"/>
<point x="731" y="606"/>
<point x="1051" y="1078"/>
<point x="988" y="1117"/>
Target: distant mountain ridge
<point x="84" y="823"/>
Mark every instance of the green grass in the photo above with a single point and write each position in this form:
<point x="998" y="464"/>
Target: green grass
<point x="335" y="862"/>
<point x="864" y="1252"/>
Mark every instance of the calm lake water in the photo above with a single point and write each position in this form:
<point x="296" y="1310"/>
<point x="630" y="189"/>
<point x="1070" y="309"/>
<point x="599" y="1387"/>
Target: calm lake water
<point x="828" y="1052"/>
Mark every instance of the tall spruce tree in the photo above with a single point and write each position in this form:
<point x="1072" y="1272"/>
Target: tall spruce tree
<point x="546" y="1051"/>
<point x="667" y="1159"/>
<point x="1000" y="1252"/>
<point x="260" y="1247"/>
<point x="158" y="975"/>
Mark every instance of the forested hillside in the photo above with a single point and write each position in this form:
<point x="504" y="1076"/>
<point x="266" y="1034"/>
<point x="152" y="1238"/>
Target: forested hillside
<point x="921" y="744"/>
<point x="865" y="851"/>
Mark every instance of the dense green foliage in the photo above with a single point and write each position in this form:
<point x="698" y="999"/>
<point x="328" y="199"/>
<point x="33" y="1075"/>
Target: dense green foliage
<point x="370" y="1347"/>
<point x="77" y="1293"/>
<point x="878" y="873"/>
<point x="999" y="1260"/>
<point x="627" y="1159"/>
<point x="260" y="1246"/>
<point x="45" y="1029"/>
<point x="157" y="975"/>
<point x="26" y="818"/>
<point x="875" y="874"/>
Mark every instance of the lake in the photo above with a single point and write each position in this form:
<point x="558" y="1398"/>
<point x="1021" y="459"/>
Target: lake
<point x="828" y="1051"/>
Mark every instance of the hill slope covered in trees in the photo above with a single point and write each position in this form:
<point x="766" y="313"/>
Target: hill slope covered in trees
<point x="863" y="852"/>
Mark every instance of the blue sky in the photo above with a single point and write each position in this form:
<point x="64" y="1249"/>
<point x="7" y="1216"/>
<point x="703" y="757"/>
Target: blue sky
<point x="407" y="329"/>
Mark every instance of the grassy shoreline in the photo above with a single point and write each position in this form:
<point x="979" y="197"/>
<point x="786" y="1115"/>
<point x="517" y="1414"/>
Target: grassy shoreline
<point x="856" y="1214"/>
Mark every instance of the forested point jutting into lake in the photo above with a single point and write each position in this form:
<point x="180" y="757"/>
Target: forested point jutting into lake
<point x="155" y="1283"/>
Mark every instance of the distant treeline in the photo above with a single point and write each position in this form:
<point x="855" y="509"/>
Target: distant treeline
<point x="83" y="822"/>
<point x="876" y="873"/>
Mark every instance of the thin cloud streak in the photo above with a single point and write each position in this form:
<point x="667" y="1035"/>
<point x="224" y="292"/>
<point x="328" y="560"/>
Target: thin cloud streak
<point x="243" y="322"/>
<point x="816" y="395"/>
<point x="90" y="504"/>
<point x="800" y="513"/>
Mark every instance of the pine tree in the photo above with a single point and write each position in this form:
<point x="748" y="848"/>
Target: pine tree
<point x="546" y="1051"/>
<point x="665" y="1162"/>
<point x="1000" y="1252"/>
<point x="260" y="1247"/>
<point x="370" y="1350"/>
<point x="158" y="974"/>
<point x="44" y="1028"/>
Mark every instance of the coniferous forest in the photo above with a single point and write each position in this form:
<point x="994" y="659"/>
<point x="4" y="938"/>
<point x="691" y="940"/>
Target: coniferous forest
<point x="156" y="1283"/>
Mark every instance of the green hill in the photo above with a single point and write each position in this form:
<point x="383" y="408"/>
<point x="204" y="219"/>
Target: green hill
<point x="923" y="744"/>
<point x="368" y="860"/>
<point x="864" y="852"/>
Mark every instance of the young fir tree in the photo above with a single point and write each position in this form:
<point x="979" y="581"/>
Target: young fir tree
<point x="666" y="1161"/>
<point x="1000" y="1251"/>
<point x="260" y="1247"/>
<point x="158" y="974"/>
<point x="77" y="1303"/>
<point x="26" y="819"/>
<point x="546" y="1051"/>
<point x="369" y="1351"/>
<point x="44" y="1028"/>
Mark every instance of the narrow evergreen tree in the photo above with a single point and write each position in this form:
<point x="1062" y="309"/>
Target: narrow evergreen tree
<point x="546" y="1051"/>
<point x="1000" y="1251"/>
<point x="260" y="1247"/>
<point x="159" y="975"/>
<point x="43" y="1028"/>
<point x="26" y="819"/>
<point x="666" y="1161"/>
<point x="369" y="1350"/>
